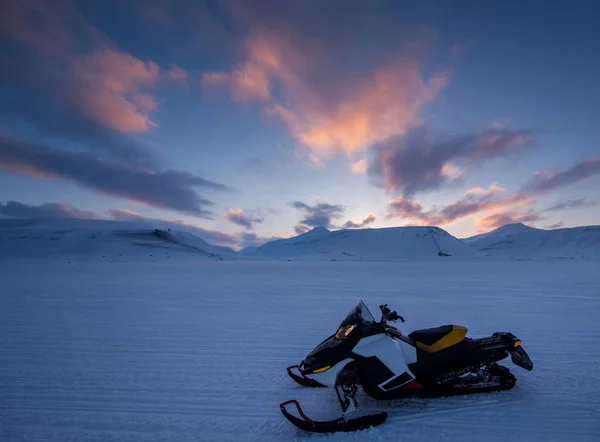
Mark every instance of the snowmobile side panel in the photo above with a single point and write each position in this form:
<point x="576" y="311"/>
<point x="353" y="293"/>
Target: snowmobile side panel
<point x="382" y="365"/>
<point x="408" y="351"/>
<point x="390" y="351"/>
<point x="328" y="376"/>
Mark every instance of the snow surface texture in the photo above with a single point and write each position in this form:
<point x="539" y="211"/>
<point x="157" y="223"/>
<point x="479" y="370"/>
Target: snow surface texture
<point x="196" y="351"/>
<point x="521" y="241"/>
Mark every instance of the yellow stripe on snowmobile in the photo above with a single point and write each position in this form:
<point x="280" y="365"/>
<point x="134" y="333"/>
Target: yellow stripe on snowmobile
<point x="457" y="335"/>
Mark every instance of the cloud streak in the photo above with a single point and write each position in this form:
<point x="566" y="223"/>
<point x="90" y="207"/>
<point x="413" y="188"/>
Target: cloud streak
<point x="318" y="215"/>
<point x="370" y="218"/>
<point x="16" y="209"/>
<point x="241" y="218"/>
<point x="549" y="180"/>
<point x="573" y="204"/>
<point x="411" y="211"/>
<point x="418" y="163"/>
<point x="169" y="189"/>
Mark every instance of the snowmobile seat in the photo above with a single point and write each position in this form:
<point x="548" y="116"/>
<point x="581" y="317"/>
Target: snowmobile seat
<point x="438" y="338"/>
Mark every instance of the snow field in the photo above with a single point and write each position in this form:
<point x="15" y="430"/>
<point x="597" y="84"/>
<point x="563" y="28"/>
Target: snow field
<point x="196" y="351"/>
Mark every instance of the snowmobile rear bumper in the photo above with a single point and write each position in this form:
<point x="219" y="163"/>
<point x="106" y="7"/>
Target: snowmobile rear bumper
<point x="307" y="424"/>
<point x="303" y="380"/>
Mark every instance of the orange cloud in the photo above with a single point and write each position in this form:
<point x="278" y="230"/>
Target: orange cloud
<point x="108" y="89"/>
<point x="493" y="188"/>
<point x="370" y="218"/>
<point x="359" y="167"/>
<point x="385" y="105"/>
<point x="363" y="111"/>
<point x="486" y="201"/>
<point x="496" y="220"/>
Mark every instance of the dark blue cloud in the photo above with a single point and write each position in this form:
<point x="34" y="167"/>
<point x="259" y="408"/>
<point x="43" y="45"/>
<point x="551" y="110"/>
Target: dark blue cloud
<point x="171" y="189"/>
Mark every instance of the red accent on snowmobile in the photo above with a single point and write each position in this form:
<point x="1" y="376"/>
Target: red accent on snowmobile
<point x="303" y="380"/>
<point x="300" y="412"/>
<point x="413" y="385"/>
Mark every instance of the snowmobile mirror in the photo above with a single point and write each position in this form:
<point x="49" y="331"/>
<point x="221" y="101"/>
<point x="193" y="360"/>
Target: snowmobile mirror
<point x="387" y="315"/>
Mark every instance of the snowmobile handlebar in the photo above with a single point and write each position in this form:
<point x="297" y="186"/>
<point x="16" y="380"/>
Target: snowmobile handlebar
<point x="388" y="315"/>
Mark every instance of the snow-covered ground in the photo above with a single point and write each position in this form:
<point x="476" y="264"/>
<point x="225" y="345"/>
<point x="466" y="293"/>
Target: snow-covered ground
<point x="196" y="351"/>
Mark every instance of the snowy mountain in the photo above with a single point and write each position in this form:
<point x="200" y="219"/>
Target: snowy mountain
<point x="521" y="241"/>
<point x="99" y="239"/>
<point x="500" y="232"/>
<point x="387" y="244"/>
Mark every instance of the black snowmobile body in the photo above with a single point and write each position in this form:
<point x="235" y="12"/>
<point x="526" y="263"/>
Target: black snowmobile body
<point x="388" y="364"/>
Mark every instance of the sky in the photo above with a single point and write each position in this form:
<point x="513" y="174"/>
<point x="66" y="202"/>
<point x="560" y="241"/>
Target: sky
<point x="244" y="121"/>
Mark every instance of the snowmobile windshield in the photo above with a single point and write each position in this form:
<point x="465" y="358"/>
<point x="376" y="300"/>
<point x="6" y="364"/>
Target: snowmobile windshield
<point x="357" y="315"/>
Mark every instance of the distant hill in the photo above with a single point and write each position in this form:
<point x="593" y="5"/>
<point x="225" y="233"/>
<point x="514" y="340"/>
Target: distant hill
<point x="99" y="239"/>
<point x="521" y="241"/>
<point x="387" y="244"/>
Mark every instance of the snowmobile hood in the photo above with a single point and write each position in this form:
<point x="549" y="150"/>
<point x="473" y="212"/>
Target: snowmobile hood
<point x="327" y="354"/>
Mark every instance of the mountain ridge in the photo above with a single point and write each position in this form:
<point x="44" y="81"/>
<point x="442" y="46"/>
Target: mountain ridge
<point x="110" y="239"/>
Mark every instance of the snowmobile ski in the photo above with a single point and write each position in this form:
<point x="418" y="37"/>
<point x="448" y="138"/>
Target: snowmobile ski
<point x="303" y="380"/>
<point x="333" y="426"/>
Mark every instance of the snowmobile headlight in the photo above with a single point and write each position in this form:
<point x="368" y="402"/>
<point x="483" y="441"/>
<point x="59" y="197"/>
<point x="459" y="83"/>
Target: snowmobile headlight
<point x="343" y="332"/>
<point x="322" y="369"/>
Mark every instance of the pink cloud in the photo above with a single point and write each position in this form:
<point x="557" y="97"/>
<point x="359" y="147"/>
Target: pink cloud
<point x="494" y="187"/>
<point x="241" y="218"/>
<point x="495" y="208"/>
<point x="496" y="220"/>
<point x="359" y="167"/>
<point x="363" y="111"/>
<point x="472" y="204"/>
<point x="178" y="75"/>
<point x="370" y="218"/>
<point x="28" y="170"/>
<point x="420" y="162"/>
<point x="251" y="79"/>
<point x="109" y="89"/>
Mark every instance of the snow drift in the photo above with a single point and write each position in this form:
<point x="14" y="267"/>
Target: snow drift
<point x="521" y="241"/>
<point x="387" y="244"/>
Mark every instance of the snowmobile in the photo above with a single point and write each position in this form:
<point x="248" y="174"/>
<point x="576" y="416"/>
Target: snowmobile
<point x="389" y="364"/>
